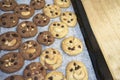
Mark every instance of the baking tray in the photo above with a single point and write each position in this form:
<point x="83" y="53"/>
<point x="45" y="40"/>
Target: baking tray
<point x="101" y="69"/>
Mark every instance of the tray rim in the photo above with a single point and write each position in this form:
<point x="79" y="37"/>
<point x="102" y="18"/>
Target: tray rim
<point x="100" y="66"/>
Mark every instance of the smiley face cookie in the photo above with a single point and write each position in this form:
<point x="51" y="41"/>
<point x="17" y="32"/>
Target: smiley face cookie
<point x="58" y="29"/>
<point x="76" y="70"/>
<point x="45" y="38"/>
<point x="24" y="11"/>
<point x="69" y="18"/>
<point x="37" y="4"/>
<point x="55" y="75"/>
<point x="11" y="62"/>
<point x="8" y="5"/>
<point x="62" y="3"/>
<point x="41" y="20"/>
<point x="10" y="40"/>
<point x="52" y="11"/>
<point x="72" y="46"/>
<point x="34" y="71"/>
<point x="8" y="20"/>
<point x="51" y="59"/>
<point x="30" y="50"/>
<point x="27" y="29"/>
<point x="15" y="77"/>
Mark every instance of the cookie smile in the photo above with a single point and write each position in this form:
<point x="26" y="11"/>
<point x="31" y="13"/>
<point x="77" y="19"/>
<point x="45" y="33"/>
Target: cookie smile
<point x="25" y="13"/>
<point x="6" y="5"/>
<point x="11" y="43"/>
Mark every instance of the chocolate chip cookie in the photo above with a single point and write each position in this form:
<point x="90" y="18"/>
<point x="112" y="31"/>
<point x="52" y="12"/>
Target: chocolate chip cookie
<point x="72" y="46"/>
<point x="24" y="11"/>
<point x="69" y="18"/>
<point x="41" y="19"/>
<point x="11" y="62"/>
<point x="37" y="4"/>
<point x="10" y="40"/>
<point x="30" y="50"/>
<point x="45" y="38"/>
<point x="76" y="70"/>
<point x="15" y="77"/>
<point x="8" y="5"/>
<point x="55" y="75"/>
<point x="52" y="10"/>
<point x="58" y="29"/>
<point x="8" y="20"/>
<point x="51" y="59"/>
<point x="34" y="71"/>
<point x="27" y="29"/>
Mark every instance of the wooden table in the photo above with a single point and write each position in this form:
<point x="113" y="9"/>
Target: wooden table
<point x="104" y="18"/>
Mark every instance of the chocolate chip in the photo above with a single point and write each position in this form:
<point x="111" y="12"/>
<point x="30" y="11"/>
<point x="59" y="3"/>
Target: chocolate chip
<point x="73" y="48"/>
<point x="47" y="52"/>
<point x="30" y="55"/>
<point x="56" y="13"/>
<point x="33" y="4"/>
<point x="48" y="4"/>
<point x="58" y="24"/>
<point x="70" y="14"/>
<point x="27" y="26"/>
<point x="14" y="55"/>
<point x="35" y="78"/>
<point x="28" y="74"/>
<point x="45" y="40"/>
<point x="12" y="78"/>
<point x="50" y="78"/>
<point x="68" y="21"/>
<point x="54" y="24"/>
<point x="11" y="17"/>
<point x="3" y="3"/>
<point x="46" y="56"/>
<point x="79" y="46"/>
<point x="78" y="67"/>
<point x="36" y="17"/>
<point x="12" y="60"/>
<point x="54" y="52"/>
<point x="15" y="63"/>
<point x="4" y="23"/>
<point x="71" y="70"/>
<point x="44" y="21"/>
<point x="23" y="31"/>
<point x="27" y="9"/>
<point x="63" y="14"/>
<point x="49" y="41"/>
<point x="34" y="45"/>
<point x="51" y="11"/>
<point x="14" y="35"/>
<point x="16" y="12"/>
<point x="70" y="41"/>
<point x="27" y="68"/>
<point x="57" y="35"/>
<point x="48" y="36"/>
<point x="11" y="3"/>
<point x="1" y="62"/>
<point x="62" y="26"/>
<point x="74" y="64"/>
<point x="39" y="22"/>
<point x="3" y="40"/>
<point x="42" y="68"/>
<point x="69" y="48"/>
<point x="71" y="19"/>
<point x="21" y="8"/>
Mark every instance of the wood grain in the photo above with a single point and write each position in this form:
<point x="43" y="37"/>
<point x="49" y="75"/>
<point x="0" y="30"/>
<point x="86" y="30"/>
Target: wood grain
<point x="104" y="18"/>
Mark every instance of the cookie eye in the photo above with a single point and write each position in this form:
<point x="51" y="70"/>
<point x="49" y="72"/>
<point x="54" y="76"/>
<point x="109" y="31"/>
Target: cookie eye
<point x="21" y="8"/>
<point x="69" y="48"/>
<point x="3" y="23"/>
<point x="79" y="46"/>
<point x="1" y="62"/>
<point x="23" y="31"/>
<point x="47" y="52"/>
<point x="54" y="52"/>
<point x="70" y="41"/>
<point x="58" y="24"/>
<point x="56" y="13"/>
<point x="34" y="45"/>
<point x="11" y="17"/>
<point x="54" y="24"/>
<point x="41" y="68"/>
<point x="71" y="70"/>
<point x="15" y="63"/>
<point x="71" y="19"/>
<point x="68" y="21"/>
<point x="46" y="56"/>
<point x="74" y="64"/>
<point x="3" y="40"/>
<point x="30" y="55"/>
<point x="27" y="9"/>
<point x="14" y="35"/>
<point x="63" y="14"/>
<point x="62" y="26"/>
<point x="70" y="14"/>
<point x="10" y="3"/>
<point x="3" y="3"/>
<point x="57" y="35"/>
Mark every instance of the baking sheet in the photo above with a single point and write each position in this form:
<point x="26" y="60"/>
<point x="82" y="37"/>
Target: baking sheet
<point x="83" y="57"/>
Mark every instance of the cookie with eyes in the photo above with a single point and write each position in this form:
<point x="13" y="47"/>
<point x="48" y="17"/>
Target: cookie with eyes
<point x="24" y="11"/>
<point x="62" y="3"/>
<point x="52" y="10"/>
<point x="11" y="62"/>
<point x="51" y="59"/>
<point x="45" y="38"/>
<point x="69" y="18"/>
<point x="15" y="77"/>
<point x="8" y="5"/>
<point x="72" y="46"/>
<point x="8" y="20"/>
<point x="10" y="40"/>
<point x="76" y="70"/>
<point x="30" y="50"/>
<point x="37" y="4"/>
<point x="34" y="71"/>
<point x="55" y="75"/>
<point x="58" y="29"/>
<point x="27" y="29"/>
<point x="41" y="19"/>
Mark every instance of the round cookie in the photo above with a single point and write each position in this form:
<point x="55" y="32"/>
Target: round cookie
<point x="8" y="5"/>
<point x="24" y="11"/>
<point x="55" y="75"/>
<point x="72" y="46"/>
<point x="69" y="18"/>
<point x="45" y="38"/>
<point x="58" y="29"/>
<point x="30" y="50"/>
<point x="8" y="20"/>
<point x="37" y="4"/>
<point x="27" y="29"/>
<point x="41" y="20"/>
<point x="10" y="40"/>
<point x="52" y="10"/>
<point x="15" y="77"/>
<point x="76" y="70"/>
<point x="11" y="62"/>
<point x="51" y="59"/>
<point x="34" y="71"/>
<point x="62" y="3"/>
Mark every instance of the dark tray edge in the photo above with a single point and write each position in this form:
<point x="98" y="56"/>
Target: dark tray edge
<point x="99" y="64"/>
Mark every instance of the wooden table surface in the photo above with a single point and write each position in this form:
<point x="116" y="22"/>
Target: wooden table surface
<point x="104" y="18"/>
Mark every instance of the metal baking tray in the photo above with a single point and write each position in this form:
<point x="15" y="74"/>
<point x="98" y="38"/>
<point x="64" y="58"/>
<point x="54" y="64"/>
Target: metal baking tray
<point x="99" y="64"/>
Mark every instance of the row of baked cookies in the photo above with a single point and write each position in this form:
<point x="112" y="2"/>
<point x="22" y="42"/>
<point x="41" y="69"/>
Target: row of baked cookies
<point x="75" y="70"/>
